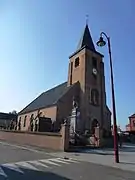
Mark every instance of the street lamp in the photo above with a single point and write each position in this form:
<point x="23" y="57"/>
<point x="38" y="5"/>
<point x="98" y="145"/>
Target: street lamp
<point x="101" y="43"/>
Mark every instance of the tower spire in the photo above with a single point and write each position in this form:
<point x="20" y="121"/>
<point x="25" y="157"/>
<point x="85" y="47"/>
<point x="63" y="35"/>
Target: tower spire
<point x="86" y="39"/>
<point x="87" y="19"/>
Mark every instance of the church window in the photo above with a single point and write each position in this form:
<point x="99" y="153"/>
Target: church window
<point x="31" y="118"/>
<point x="94" y="97"/>
<point x="94" y="62"/>
<point x="71" y="67"/>
<point x="71" y="70"/>
<point x="134" y="123"/>
<point x="19" y="124"/>
<point x="76" y="62"/>
<point x="24" y="123"/>
<point x="20" y="119"/>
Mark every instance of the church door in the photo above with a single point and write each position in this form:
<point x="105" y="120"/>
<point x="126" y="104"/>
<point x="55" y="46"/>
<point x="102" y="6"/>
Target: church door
<point x="93" y="125"/>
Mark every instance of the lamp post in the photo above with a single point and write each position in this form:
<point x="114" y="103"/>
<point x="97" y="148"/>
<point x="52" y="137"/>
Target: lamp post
<point x="101" y="43"/>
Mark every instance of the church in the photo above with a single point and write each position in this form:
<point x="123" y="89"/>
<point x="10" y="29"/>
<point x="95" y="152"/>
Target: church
<point x="85" y="84"/>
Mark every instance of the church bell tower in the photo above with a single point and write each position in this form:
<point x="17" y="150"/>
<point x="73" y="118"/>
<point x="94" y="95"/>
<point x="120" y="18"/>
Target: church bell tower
<point x="86" y="66"/>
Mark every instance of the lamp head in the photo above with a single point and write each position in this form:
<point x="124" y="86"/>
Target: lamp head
<point x="101" y="42"/>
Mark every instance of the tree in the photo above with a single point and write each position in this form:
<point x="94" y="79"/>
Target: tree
<point x="13" y="112"/>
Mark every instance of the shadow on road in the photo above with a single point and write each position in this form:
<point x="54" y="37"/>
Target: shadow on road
<point x="104" y="151"/>
<point x="97" y="151"/>
<point x="31" y="174"/>
<point x="130" y="163"/>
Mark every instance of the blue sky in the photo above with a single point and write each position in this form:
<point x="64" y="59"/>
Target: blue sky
<point x="37" y="37"/>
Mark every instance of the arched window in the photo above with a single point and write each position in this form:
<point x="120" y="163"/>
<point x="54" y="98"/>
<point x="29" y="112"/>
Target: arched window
<point x="31" y="118"/>
<point x="24" y="123"/>
<point x="19" y="124"/>
<point x="77" y="62"/>
<point x="19" y="119"/>
<point x="94" y="97"/>
<point x="134" y="123"/>
<point x="94" y="62"/>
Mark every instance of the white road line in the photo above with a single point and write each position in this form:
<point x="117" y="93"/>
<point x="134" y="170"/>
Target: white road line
<point x="30" y="164"/>
<point x="2" y="173"/>
<point x="49" y="162"/>
<point x="38" y="164"/>
<point x="12" y="167"/>
<point x="26" y="165"/>
<point x="59" y="161"/>
<point x="68" y="160"/>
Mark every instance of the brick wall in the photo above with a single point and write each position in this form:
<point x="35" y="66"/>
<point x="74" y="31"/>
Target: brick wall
<point x="132" y="123"/>
<point x="55" y="141"/>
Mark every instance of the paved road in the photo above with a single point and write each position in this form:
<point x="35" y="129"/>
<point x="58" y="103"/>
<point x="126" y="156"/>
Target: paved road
<point x="14" y="153"/>
<point x="21" y="163"/>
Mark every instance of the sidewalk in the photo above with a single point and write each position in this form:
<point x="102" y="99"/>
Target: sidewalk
<point x="104" y="157"/>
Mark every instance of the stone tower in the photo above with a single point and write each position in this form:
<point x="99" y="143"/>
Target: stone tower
<point x="86" y="66"/>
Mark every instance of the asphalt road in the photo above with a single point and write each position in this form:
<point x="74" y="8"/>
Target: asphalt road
<point x="27" y="163"/>
<point x="14" y="153"/>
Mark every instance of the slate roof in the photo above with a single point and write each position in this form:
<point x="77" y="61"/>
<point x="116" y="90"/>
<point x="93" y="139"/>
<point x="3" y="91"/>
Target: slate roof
<point x="133" y="115"/>
<point x="86" y="40"/>
<point x="47" y="99"/>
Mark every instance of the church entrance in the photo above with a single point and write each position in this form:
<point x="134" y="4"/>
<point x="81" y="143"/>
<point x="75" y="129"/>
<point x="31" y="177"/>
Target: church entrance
<point x="93" y="125"/>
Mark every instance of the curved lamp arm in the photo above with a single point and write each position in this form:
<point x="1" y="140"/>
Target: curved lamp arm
<point x="108" y="40"/>
<point x="102" y="33"/>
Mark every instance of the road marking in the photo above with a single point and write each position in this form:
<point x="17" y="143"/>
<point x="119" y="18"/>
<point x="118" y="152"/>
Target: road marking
<point x="59" y="161"/>
<point x="2" y="173"/>
<point x="12" y="167"/>
<point x="68" y="160"/>
<point x="49" y="162"/>
<point x="38" y="164"/>
<point x="17" y="166"/>
<point x="26" y="165"/>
